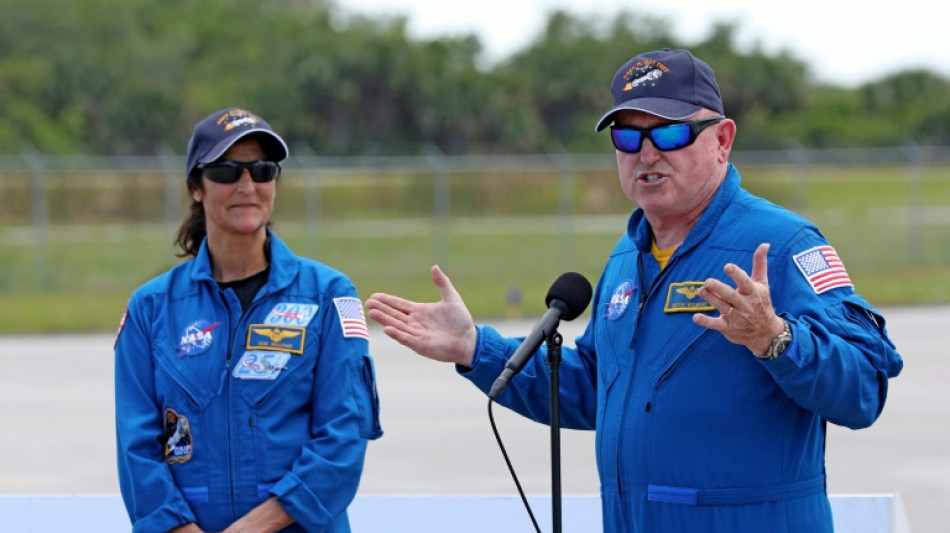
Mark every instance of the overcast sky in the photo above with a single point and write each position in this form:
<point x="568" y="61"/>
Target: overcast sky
<point x="845" y="42"/>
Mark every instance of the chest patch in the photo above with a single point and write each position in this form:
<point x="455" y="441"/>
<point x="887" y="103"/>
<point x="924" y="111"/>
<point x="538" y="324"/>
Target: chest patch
<point x="261" y="365"/>
<point x="619" y="300"/>
<point x="291" y="314"/>
<point x="196" y="338"/>
<point x="683" y="297"/>
<point x="283" y="338"/>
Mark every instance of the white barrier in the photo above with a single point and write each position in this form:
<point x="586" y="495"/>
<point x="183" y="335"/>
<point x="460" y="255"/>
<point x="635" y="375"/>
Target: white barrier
<point x="853" y="513"/>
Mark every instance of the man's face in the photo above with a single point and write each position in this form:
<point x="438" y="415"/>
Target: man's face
<point x="675" y="186"/>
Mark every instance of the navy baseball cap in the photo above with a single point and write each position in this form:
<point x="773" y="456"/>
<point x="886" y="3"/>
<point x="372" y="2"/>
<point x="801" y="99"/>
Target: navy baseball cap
<point x="672" y="84"/>
<point x="219" y="131"/>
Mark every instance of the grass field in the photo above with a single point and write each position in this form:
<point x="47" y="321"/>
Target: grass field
<point x="502" y="236"/>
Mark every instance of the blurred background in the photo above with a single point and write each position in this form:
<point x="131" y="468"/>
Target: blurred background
<point x="417" y="137"/>
<point x="411" y="150"/>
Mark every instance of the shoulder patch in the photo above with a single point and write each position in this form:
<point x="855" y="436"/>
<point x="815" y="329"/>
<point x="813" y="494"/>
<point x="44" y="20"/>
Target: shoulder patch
<point x="822" y="268"/>
<point x="122" y="320"/>
<point x="352" y="319"/>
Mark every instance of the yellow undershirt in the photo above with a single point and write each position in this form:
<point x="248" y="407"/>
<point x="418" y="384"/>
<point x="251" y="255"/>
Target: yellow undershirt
<point x="662" y="256"/>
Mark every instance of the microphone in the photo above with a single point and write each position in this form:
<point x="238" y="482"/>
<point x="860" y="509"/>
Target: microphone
<point x="567" y="298"/>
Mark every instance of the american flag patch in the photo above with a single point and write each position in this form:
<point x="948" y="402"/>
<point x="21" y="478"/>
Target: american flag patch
<point x="351" y="317"/>
<point x="822" y="268"/>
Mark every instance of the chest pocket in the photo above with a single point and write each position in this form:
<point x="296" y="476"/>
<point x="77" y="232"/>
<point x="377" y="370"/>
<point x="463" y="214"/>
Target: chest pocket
<point x="289" y="368"/>
<point x="367" y="397"/>
<point x="690" y="341"/>
<point x="194" y="378"/>
<point x="613" y="341"/>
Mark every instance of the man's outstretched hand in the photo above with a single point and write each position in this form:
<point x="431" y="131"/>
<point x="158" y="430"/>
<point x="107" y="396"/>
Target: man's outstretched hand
<point x="442" y="331"/>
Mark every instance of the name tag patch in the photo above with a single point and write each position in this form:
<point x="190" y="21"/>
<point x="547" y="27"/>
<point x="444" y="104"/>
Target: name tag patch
<point x="683" y="297"/>
<point x="271" y="337"/>
<point x="261" y="365"/>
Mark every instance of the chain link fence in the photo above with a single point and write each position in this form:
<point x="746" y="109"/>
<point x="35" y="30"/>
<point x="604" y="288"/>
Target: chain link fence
<point x="89" y="224"/>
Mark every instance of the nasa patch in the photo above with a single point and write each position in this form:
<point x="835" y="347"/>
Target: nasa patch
<point x="620" y="300"/>
<point x="196" y="338"/>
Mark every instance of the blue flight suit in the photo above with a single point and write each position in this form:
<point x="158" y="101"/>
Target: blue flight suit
<point x="219" y="408"/>
<point x="693" y="432"/>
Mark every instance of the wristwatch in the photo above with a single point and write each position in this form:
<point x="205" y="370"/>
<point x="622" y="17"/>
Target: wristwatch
<point x="779" y="344"/>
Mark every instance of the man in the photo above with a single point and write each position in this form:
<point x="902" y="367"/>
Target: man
<point x="724" y="331"/>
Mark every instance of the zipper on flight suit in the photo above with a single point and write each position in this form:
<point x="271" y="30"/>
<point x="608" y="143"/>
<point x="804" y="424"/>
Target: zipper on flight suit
<point x="227" y="385"/>
<point x="644" y="295"/>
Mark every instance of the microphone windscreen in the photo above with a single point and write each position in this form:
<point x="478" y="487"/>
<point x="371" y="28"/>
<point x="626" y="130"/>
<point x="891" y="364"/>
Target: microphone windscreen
<point x="573" y="290"/>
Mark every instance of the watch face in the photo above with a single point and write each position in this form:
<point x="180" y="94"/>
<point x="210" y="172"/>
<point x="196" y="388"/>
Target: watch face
<point x="779" y="344"/>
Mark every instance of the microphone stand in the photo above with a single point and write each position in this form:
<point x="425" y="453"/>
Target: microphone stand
<point x="554" y="342"/>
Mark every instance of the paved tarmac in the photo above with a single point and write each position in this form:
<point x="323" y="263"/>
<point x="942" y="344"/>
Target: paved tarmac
<point x="57" y="433"/>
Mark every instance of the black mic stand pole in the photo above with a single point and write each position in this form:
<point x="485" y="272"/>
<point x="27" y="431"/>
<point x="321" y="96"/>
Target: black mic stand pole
<point x="554" y="342"/>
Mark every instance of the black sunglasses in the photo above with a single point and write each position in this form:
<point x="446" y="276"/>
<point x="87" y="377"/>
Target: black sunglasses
<point x="231" y="171"/>
<point x="665" y="137"/>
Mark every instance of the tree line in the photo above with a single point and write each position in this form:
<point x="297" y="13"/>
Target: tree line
<point x="114" y="77"/>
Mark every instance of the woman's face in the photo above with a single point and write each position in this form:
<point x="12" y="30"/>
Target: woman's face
<point x="240" y="208"/>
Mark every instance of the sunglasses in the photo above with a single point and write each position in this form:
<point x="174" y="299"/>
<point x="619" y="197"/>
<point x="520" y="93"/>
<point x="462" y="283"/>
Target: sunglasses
<point x="665" y="137"/>
<point x="231" y="171"/>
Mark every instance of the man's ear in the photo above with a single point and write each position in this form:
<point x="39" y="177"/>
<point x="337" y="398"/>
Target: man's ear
<point x="726" y="136"/>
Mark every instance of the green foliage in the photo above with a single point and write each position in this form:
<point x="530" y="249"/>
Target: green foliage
<point x="133" y="77"/>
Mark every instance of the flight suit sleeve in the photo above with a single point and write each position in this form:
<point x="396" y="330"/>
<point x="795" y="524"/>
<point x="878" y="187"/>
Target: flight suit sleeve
<point x="325" y="477"/>
<point x="528" y="392"/>
<point x="841" y="356"/>
<point x="151" y="498"/>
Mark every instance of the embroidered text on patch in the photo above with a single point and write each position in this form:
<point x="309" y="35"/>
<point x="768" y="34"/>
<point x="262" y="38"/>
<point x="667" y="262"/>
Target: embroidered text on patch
<point x="197" y="338"/>
<point x="291" y="314"/>
<point x="683" y="297"/>
<point x="261" y="365"/>
<point x="268" y="337"/>
<point x="822" y="268"/>
<point x="352" y="318"/>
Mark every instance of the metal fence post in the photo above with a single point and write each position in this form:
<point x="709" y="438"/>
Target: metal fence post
<point x="39" y="212"/>
<point x="171" y="165"/>
<point x="441" y="204"/>
<point x="915" y="226"/>
<point x="312" y="197"/>
<point x="799" y="157"/>
<point x="565" y="208"/>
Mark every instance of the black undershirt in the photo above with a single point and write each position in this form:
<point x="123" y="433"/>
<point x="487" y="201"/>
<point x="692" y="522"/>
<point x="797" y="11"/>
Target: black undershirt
<point x="246" y="289"/>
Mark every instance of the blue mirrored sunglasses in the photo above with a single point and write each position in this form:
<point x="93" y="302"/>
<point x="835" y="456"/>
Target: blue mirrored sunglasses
<point x="665" y="137"/>
<point x="230" y="171"/>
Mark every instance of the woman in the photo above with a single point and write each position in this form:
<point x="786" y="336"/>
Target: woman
<point x="245" y="390"/>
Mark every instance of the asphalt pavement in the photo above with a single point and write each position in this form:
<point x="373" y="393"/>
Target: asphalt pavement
<point x="58" y="434"/>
